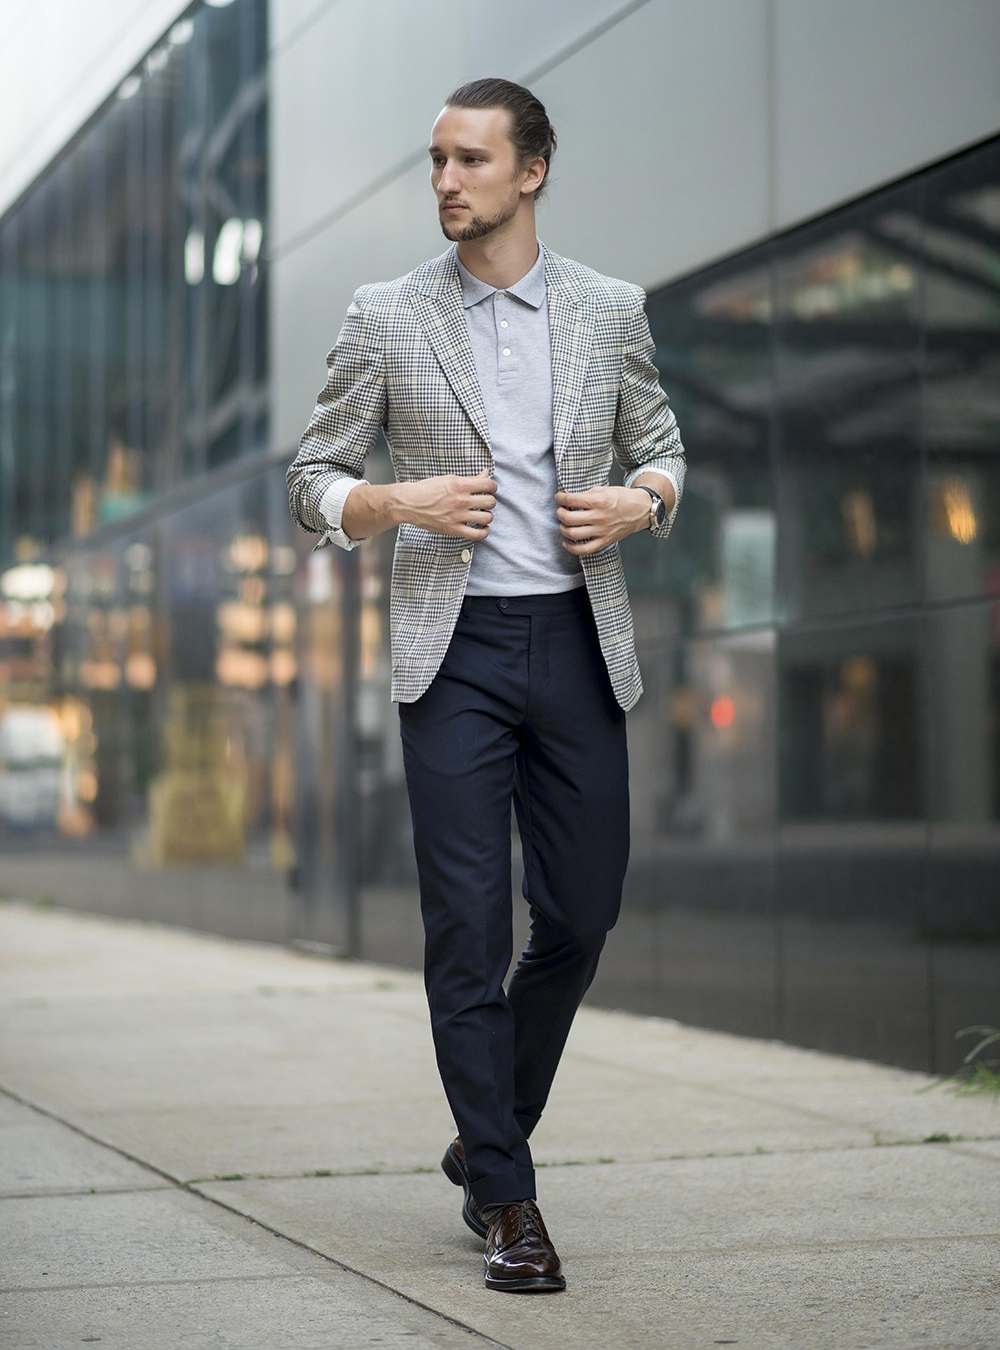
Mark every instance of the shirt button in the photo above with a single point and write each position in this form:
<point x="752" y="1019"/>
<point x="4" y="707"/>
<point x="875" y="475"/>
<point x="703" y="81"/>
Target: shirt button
<point x="466" y="554"/>
<point x="506" y="351"/>
<point x="503" y="323"/>
<point x="500" y="295"/>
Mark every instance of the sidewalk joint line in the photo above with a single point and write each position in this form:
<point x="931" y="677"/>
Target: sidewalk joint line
<point x="72" y="1192"/>
<point x="334" y="1174"/>
<point x="149" y="1284"/>
<point x="180" y="1185"/>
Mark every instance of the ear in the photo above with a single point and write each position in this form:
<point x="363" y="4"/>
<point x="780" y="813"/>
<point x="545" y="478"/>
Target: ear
<point x="534" y="175"/>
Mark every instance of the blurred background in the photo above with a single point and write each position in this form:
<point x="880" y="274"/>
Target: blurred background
<point x="195" y="721"/>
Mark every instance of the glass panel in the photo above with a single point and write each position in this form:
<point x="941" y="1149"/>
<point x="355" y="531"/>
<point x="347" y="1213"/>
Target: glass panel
<point x="961" y="409"/>
<point x="233" y="135"/>
<point x="59" y="273"/>
<point x="963" y="903"/>
<point x="390" y="914"/>
<point x="851" y="730"/>
<point x="8" y="382"/>
<point x="171" y="759"/>
<point x="34" y="410"/>
<point x="135" y="269"/>
<point x="696" y="938"/>
<point x="113" y="466"/>
<point x="155" y="670"/>
<point x="852" y="840"/>
<point x="848" y="408"/>
<point x="713" y="351"/>
<point x="79" y="331"/>
<point x="97" y="151"/>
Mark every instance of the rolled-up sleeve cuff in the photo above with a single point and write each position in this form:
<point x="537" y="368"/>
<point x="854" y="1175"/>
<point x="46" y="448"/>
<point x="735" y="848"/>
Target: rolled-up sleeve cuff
<point x="678" y="481"/>
<point x="331" y="505"/>
<point x="677" y="494"/>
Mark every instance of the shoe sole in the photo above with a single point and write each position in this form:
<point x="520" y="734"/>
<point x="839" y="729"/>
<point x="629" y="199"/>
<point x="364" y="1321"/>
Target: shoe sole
<point x="455" y="1173"/>
<point x="531" y="1284"/>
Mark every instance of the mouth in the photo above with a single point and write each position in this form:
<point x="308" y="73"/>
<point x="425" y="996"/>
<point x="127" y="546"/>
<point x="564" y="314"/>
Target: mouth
<point x="454" y="206"/>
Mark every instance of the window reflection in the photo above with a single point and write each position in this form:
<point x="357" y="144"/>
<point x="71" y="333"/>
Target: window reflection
<point x="148" y="680"/>
<point x="961" y="412"/>
<point x="852" y="724"/>
<point x="848" y="398"/>
<point x="713" y="340"/>
<point x="135" y="268"/>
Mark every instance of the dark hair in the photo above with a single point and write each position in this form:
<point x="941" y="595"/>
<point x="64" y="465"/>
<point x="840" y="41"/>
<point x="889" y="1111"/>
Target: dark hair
<point x="531" y="130"/>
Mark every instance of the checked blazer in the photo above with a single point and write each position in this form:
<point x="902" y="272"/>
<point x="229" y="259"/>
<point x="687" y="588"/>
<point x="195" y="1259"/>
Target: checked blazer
<point x="403" y="363"/>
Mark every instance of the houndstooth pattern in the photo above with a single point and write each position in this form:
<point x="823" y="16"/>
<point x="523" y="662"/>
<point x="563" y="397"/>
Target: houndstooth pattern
<point x="403" y="362"/>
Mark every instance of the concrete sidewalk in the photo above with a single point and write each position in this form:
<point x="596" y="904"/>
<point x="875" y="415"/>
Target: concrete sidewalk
<point x="209" y="1143"/>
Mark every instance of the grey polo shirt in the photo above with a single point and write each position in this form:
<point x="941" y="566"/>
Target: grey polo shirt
<point x="509" y="333"/>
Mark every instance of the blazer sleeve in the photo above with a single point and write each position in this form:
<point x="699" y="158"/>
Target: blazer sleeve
<point x="646" y="433"/>
<point x="349" y="413"/>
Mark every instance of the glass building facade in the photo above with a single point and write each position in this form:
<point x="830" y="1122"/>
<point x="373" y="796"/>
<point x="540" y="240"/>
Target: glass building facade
<point x="195" y="721"/>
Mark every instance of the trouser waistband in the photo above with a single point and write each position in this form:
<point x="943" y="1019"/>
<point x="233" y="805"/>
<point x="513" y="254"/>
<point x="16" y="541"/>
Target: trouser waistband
<point x="575" y="601"/>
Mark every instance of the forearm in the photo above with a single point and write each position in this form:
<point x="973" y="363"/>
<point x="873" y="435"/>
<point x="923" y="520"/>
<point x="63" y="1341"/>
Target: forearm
<point x="371" y="508"/>
<point x="446" y="503"/>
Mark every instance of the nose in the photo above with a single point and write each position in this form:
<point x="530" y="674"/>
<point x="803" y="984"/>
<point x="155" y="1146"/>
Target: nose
<point x="448" y="182"/>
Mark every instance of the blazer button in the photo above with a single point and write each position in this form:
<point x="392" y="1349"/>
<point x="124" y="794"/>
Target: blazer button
<point x="466" y="554"/>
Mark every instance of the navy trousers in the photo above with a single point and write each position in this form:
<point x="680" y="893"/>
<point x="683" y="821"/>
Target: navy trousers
<point x="521" y="710"/>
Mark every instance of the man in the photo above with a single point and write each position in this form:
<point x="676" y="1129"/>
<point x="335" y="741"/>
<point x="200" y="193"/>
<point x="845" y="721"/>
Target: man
<point x="505" y="378"/>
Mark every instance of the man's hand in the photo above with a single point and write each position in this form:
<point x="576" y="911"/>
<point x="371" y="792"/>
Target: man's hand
<point x="449" y="503"/>
<point x="590" y="521"/>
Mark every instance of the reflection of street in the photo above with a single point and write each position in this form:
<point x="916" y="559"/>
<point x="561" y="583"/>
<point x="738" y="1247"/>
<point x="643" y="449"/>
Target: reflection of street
<point x="31" y="757"/>
<point x="197" y="804"/>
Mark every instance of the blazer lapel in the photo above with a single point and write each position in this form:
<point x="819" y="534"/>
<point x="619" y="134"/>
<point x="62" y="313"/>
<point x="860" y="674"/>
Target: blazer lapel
<point x="571" y="333"/>
<point x="438" y="306"/>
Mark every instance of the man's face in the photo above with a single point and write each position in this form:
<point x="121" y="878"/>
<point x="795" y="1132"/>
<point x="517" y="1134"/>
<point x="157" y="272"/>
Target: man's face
<point x="474" y="171"/>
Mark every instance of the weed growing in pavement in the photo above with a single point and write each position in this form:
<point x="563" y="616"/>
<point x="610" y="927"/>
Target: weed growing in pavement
<point x="977" y="1076"/>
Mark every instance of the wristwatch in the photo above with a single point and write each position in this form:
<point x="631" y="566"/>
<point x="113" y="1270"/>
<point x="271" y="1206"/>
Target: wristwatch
<point x="657" y="507"/>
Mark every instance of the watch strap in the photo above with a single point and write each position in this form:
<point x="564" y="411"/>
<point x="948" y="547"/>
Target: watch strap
<point x="656" y="501"/>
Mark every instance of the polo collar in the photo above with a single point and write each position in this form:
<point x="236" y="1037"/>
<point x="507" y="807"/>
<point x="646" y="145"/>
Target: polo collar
<point x="530" y="288"/>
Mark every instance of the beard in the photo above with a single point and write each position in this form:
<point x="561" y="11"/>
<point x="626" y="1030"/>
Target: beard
<point x="480" y="226"/>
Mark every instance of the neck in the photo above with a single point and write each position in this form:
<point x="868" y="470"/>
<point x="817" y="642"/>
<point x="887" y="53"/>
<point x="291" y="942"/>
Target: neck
<point x="504" y="256"/>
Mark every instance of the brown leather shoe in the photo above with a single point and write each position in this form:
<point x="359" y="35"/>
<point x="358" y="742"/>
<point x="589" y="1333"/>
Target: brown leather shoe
<point x="456" y="1169"/>
<point x="519" y="1256"/>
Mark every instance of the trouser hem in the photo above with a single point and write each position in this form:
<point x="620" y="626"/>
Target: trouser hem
<point x="503" y="1188"/>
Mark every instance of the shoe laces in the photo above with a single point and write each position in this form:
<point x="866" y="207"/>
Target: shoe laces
<point x="529" y="1221"/>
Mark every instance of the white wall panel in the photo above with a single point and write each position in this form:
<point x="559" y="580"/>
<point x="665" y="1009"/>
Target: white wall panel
<point x="59" y="61"/>
<point x="868" y="90"/>
<point x="312" y="286"/>
<point x="288" y="19"/>
<point x="356" y="94"/>
<point x="662" y="162"/>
